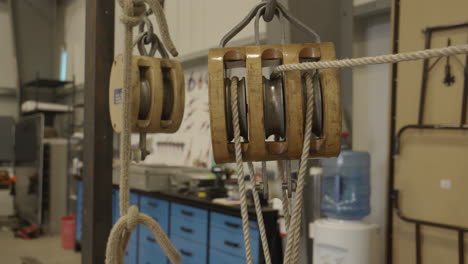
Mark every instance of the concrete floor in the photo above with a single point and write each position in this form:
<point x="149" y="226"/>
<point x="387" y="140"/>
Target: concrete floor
<point x="43" y="250"/>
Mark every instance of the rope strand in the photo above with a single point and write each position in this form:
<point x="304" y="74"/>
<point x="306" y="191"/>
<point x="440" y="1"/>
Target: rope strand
<point x="240" y="170"/>
<point x="258" y="211"/>
<point x="130" y="217"/>
<point x="391" y="58"/>
<point x="292" y="246"/>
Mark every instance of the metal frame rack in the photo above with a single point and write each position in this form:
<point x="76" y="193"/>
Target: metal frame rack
<point x="394" y="194"/>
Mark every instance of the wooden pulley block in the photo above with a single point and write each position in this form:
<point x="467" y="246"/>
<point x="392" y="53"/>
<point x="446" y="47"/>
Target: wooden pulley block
<point x="272" y="109"/>
<point x="157" y="97"/>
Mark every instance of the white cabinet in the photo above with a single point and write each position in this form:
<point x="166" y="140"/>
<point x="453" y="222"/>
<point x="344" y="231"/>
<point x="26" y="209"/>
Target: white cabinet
<point x="198" y="25"/>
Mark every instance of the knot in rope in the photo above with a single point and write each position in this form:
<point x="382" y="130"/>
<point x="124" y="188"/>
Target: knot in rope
<point x="132" y="218"/>
<point x="132" y="13"/>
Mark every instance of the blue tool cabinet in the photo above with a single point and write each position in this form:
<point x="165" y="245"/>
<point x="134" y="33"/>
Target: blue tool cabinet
<point x="203" y="232"/>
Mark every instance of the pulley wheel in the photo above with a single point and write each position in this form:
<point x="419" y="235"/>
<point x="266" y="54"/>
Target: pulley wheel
<point x="145" y="100"/>
<point x="168" y="97"/>
<point x="242" y="106"/>
<point x="317" y="116"/>
<point x="274" y="107"/>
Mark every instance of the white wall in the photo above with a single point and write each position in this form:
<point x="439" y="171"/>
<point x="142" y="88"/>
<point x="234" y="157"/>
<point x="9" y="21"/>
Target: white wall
<point x="8" y="106"/>
<point x="361" y="2"/>
<point x="73" y="14"/>
<point x="371" y="99"/>
<point x="8" y="68"/>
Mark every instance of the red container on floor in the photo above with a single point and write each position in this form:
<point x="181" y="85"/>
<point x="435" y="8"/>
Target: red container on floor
<point x="68" y="231"/>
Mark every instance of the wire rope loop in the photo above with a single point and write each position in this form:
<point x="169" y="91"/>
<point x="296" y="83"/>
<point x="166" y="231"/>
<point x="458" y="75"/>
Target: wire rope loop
<point x="270" y="10"/>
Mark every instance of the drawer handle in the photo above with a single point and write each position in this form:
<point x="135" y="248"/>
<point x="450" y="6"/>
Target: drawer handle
<point x="229" y="224"/>
<point x="187" y="213"/>
<point x="152" y="204"/>
<point x="150" y="239"/>
<point x="186" y="253"/>
<point x="186" y="230"/>
<point x="231" y="244"/>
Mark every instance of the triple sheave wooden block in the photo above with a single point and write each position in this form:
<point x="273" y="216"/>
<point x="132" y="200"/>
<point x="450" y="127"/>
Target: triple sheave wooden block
<point x="285" y="118"/>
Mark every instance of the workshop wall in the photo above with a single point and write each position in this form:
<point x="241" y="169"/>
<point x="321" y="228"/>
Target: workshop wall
<point x="430" y="170"/>
<point x="35" y="25"/>
<point x="371" y="108"/>
<point x="8" y="67"/>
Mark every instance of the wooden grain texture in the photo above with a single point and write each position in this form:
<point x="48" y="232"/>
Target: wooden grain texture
<point x="429" y="157"/>
<point x="256" y="148"/>
<point x="153" y="68"/>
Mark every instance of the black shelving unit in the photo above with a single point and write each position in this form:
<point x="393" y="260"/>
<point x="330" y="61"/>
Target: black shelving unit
<point x="53" y="89"/>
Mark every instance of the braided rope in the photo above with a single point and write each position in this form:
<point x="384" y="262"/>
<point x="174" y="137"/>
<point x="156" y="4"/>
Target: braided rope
<point x="240" y="171"/>
<point x="258" y="211"/>
<point x="292" y="246"/>
<point x="285" y="200"/>
<point x="130" y="217"/>
<point x="392" y="58"/>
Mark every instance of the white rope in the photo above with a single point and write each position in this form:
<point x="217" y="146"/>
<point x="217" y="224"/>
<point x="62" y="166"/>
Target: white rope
<point x="391" y="58"/>
<point x="282" y="164"/>
<point x="130" y="217"/>
<point x="258" y="211"/>
<point x="292" y="246"/>
<point x="240" y="171"/>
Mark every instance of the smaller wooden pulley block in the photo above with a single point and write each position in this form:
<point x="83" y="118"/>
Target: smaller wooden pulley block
<point x="157" y="95"/>
<point x="272" y="107"/>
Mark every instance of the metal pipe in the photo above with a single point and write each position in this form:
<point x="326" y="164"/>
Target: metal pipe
<point x="425" y="77"/>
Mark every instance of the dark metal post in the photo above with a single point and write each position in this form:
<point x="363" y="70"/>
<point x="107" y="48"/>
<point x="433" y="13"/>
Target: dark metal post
<point x="465" y="94"/>
<point x="418" y="243"/>
<point x="461" y="247"/>
<point x="97" y="197"/>
<point x="425" y="77"/>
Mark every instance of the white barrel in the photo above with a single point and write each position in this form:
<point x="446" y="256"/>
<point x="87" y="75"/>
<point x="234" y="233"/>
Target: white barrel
<point x="344" y="242"/>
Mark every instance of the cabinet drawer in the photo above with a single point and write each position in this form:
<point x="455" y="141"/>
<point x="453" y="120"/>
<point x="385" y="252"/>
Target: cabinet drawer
<point x="157" y="206"/>
<point x="131" y="254"/>
<point x="147" y="238"/>
<point x="150" y="252"/>
<point x="230" y="223"/>
<point x="151" y="257"/>
<point x="219" y="257"/>
<point x="189" y="213"/>
<point x="233" y="243"/>
<point x="134" y="200"/>
<point x="160" y="214"/>
<point x="192" y="253"/>
<point x="190" y="230"/>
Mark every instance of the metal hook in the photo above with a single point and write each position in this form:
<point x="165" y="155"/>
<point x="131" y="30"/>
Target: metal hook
<point x="149" y="37"/>
<point x="261" y="11"/>
<point x="270" y="10"/>
<point x="296" y="22"/>
<point x="253" y="13"/>
<point x="241" y="25"/>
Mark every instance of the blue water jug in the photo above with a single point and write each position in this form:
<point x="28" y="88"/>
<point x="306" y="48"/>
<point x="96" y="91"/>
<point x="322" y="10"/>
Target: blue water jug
<point x="346" y="185"/>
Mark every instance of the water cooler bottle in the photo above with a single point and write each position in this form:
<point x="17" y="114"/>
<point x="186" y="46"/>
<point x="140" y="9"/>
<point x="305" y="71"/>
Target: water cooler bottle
<point x="342" y="237"/>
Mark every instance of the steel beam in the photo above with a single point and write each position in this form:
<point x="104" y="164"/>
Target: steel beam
<point x="97" y="197"/>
